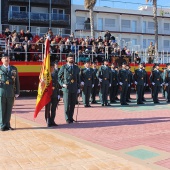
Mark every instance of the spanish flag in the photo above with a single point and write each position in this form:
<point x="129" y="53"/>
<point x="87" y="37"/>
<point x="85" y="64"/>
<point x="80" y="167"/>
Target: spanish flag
<point x="45" y="81"/>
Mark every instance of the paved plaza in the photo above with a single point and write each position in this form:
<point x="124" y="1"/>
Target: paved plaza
<point x="117" y="138"/>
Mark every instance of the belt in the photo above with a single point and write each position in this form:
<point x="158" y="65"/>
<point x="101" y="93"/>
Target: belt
<point x="105" y="78"/>
<point x="142" y="78"/>
<point x="113" y="78"/>
<point x="157" y="79"/>
<point x="125" y="79"/>
<point x="6" y="82"/>
<point x="72" y="81"/>
<point x="89" y="78"/>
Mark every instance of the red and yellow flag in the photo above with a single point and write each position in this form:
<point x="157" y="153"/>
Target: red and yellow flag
<point x="45" y="83"/>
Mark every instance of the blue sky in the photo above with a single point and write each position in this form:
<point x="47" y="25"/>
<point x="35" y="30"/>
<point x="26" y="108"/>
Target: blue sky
<point x="122" y="4"/>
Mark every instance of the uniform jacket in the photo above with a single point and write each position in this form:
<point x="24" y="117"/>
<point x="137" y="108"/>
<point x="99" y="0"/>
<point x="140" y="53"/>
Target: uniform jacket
<point x="124" y="76"/>
<point x="114" y="76"/>
<point x="140" y="76"/>
<point x="55" y="84"/>
<point x="156" y="77"/>
<point x="69" y="77"/>
<point x="9" y="82"/>
<point x="104" y="73"/>
<point x="87" y="76"/>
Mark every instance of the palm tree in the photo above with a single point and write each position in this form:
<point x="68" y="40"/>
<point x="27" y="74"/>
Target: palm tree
<point x="89" y="4"/>
<point x="156" y="24"/>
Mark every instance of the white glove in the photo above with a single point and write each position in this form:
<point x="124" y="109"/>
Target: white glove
<point x="144" y="84"/>
<point x="99" y="84"/>
<point x="109" y="85"/>
<point x="162" y="84"/>
<point x="136" y="82"/>
<point x="16" y="95"/>
<point x="64" y="85"/>
<point x="153" y="83"/>
<point x="166" y="84"/>
<point x="92" y="85"/>
<point x="82" y="83"/>
<point x="78" y="91"/>
<point x="117" y="83"/>
<point x="58" y="97"/>
<point x="128" y="85"/>
<point x="120" y="83"/>
<point x="100" y="80"/>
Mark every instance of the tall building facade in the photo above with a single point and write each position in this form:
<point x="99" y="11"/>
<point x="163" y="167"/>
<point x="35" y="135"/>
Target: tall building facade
<point x="132" y="28"/>
<point x="36" y="16"/>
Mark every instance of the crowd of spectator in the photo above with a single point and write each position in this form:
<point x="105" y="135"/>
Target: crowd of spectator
<point x="26" y="47"/>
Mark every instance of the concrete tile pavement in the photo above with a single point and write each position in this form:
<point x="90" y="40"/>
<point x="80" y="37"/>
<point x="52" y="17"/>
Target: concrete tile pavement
<point x="117" y="130"/>
<point x="31" y="146"/>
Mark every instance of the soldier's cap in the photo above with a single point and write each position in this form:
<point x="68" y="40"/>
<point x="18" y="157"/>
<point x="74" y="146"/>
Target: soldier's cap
<point x="124" y="63"/>
<point x="70" y="55"/>
<point x="5" y="55"/>
<point x="87" y="61"/>
<point x="55" y="63"/>
<point x="167" y="64"/>
<point x="106" y="60"/>
<point x="116" y="67"/>
<point x="141" y="63"/>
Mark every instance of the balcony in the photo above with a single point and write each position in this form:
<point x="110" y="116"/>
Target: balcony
<point x="59" y="19"/>
<point x="53" y="2"/>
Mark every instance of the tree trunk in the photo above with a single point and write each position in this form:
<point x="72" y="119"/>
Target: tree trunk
<point x="91" y="21"/>
<point x="156" y="26"/>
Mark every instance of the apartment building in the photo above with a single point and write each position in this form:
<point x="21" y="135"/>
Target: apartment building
<point x="36" y="16"/>
<point x="133" y="28"/>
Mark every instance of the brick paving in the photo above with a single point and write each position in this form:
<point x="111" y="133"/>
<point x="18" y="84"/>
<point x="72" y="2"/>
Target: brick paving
<point x="116" y="128"/>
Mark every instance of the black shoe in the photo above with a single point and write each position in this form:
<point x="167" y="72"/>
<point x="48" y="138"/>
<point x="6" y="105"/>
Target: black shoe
<point x="156" y="102"/>
<point x="88" y="105"/>
<point x="168" y="101"/>
<point x="3" y="129"/>
<point x="107" y="104"/>
<point x="102" y="104"/>
<point x="117" y="98"/>
<point x="68" y="121"/>
<point x="9" y="128"/>
<point x="143" y="100"/>
<point x="48" y="125"/>
<point x="124" y="104"/>
<point x="54" y="124"/>
<point x="93" y="102"/>
<point x="85" y="105"/>
<point x="140" y="103"/>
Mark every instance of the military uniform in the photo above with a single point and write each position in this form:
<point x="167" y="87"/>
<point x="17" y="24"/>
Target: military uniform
<point x="151" y="53"/>
<point x="113" y="88"/>
<point x="50" y="108"/>
<point x="86" y="76"/>
<point x="167" y="84"/>
<point x="129" y="85"/>
<point x="104" y="76"/>
<point x="145" y="84"/>
<point x="69" y="76"/>
<point x="140" y="81"/>
<point x="124" y="83"/>
<point x="95" y="88"/>
<point x="9" y="86"/>
<point x="156" y="80"/>
<point x="164" y="78"/>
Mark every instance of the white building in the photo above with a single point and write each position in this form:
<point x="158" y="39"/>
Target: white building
<point x="133" y="28"/>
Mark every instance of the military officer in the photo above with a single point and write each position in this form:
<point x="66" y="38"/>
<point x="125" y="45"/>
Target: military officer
<point x="96" y="83"/>
<point x="115" y="81"/>
<point x="167" y="82"/>
<point x="9" y="89"/>
<point x="68" y="78"/>
<point x="124" y="83"/>
<point x="146" y="83"/>
<point x="156" y="80"/>
<point x="130" y="83"/>
<point x="104" y="76"/>
<point x="50" y="108"/>
<point x="140" y="82"/>
<point x="164" y="89"/>
<point x="151" y="52"/>
<point x="87" y="83"/>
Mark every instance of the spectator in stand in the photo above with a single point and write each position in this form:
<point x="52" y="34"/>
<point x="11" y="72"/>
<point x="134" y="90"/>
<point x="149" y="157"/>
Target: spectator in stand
<point x="15" y="39"/>
<point x="99" y="39"/>
<point x="33" y="53"/>
<point x="107" y="36"/>
<point x="21" y="35"/>
<point x="67" y="46"/>
<point x="128" y="53"/>
<point x="71" y="37"/>
<point x="17" y="52"/>
<point x="7" y="32"/>
<point x="49" y="34"/>
<point x="137" y="58"/>
<point x="29" y="35"/>
<point x="40" y="44"/>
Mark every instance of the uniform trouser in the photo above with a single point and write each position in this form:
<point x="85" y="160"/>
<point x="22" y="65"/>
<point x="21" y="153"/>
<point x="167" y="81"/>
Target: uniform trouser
<point x="104" y="93"/>
<point x="117" y="90"/>
<point x="50" y="110"/>
<point x="139" y="91"/>
<point x="163" y="91"/>
<point x="128" y="93"/>
<point x="69" y="104"/>
<point x="123" y="93"/>
<point x="94" y="93"/>
<point x="113" y="92"/>
<point x="155" y="93"/>
<point x="86" y="94"/>
<point x="143" y="92"/>
<point x="6" y="104"/>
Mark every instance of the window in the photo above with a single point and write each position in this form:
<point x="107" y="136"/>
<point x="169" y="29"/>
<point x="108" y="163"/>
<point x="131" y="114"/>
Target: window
<point x="144" y="43"/>
<point x="144" y="27"/>
<point x="109" y="22"/>
<point x="134" y="41"/>
<point x="166" y="43"/>
<point x="151" y="25"/>
<point x="166" y="26"/>
<point x="80" y="20"/>
<point x="58" y="14"/>
<point x="125" y="23"/>
<point x="58" y="11"/>
<point x="134" y="26"/>
<point x="18" y="8"/>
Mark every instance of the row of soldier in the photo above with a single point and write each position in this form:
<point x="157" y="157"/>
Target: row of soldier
<point x="109" y="80"/>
